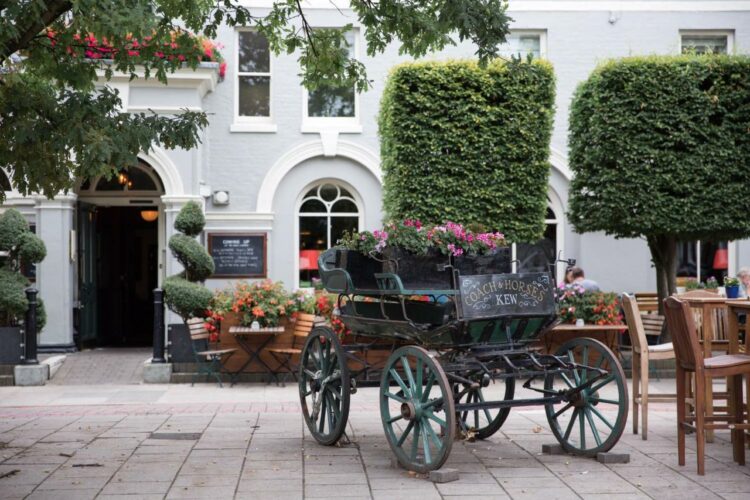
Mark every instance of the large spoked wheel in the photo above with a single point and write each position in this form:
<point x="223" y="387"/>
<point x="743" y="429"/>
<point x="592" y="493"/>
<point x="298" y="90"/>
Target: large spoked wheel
<point x="592" y="420"/>
<point x="483" y="423"/>
<point x="324" y="386"/>
<point x="416" y="406"/>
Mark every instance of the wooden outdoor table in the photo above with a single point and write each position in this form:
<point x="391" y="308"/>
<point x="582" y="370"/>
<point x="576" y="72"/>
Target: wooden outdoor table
<point x="245" y="337"/>
<point x="559" y="334"/>
<point x="708" y="303"/>
<point x="736" y="307"/>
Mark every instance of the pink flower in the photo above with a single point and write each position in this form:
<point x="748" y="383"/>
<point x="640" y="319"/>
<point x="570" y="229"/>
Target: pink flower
<point x="222" y="69"/>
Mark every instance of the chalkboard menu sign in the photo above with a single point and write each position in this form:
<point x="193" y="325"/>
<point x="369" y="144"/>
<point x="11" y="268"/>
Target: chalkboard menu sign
<point x="238" y="255"/>
<point x="497" y="295"/>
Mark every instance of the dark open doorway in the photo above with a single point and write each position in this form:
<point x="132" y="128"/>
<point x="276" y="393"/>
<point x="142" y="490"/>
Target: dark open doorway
<point x="125" y="262"/>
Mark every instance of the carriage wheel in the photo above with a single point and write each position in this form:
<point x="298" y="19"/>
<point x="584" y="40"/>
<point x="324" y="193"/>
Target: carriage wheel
<point x="484" y="423"/>
<point x="324" y="386"/>
<point x="416" y="406"/>
<point x="593" y="421"/>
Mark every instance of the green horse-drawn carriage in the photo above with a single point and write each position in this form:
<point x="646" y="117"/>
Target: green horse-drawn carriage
<point x="466" y="331"/>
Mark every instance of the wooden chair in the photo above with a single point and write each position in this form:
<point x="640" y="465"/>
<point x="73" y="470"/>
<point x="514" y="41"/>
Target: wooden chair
<point x="690" y="360"/>
<point x="648" y="302"/>
<point x="284" y="354"/>
<point x="643" y="353"/>
<point x="208" y="361"/>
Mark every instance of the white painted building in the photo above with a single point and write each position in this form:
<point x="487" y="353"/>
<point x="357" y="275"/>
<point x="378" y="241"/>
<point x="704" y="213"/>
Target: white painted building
<point x="294" y="169"/>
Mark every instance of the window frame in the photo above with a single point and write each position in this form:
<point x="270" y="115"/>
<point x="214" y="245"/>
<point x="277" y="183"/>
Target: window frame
<point x="251" y="123"/>
<point x="542" y="33"/>
<point x="355" y="196"/>
<point x="731" y="257"/>
<point x="728" y="33"/>
<point x="342" y="125"/>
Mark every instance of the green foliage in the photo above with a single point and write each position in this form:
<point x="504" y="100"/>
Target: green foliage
<point x="13" y="303"/>
<point x="186" y="299"/>
<point x="60" y="131"/>
<point x="197" y="262"/>
<point x="660" y="146"/>
<point x="12" y="227"/>
<point x="468" y="144"/>
<point x="181" y="292"/>
<point x="190" y="220"/>
<point x="594" y="308"/>
<point x="31" y="248"/>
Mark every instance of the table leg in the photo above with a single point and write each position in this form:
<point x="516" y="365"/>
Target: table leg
<point x="708" y="336"/>
<point x="254" y="355"/>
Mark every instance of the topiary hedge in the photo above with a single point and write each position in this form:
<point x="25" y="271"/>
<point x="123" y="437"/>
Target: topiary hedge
<point x="660" y="149"/>
<point x="22" y="247"/>
<point x="183" y="293"/>
<point x="468" y="144"/>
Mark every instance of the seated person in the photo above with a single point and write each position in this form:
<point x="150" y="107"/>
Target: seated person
<point x="744" y="276"/>
<point x="579" y="278"/>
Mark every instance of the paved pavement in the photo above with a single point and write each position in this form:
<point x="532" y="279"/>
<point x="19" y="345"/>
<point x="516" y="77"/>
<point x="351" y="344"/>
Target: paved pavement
<point x="249" y="441"/>
<point x="102" y="366"/>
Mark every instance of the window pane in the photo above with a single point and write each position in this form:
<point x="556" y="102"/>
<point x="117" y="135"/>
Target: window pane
<point x="329" y="192"/>
<point x="112" y="184"/>
<point x="551" y="214"/>
<point x="313" y="206"/>
<point x="341" y="224"/>
<point x="255" y="95"/>
<point x="331" y="102"/>
<point x="313" y="234"/>
<point x="714" y="260"/>
<point x="704" y="44"/>
<point x="140" y="180"/>
<point x="687" y="255"/>
<point x="253" y="52"/>
<point x="344" y="206"/>
<point x="522" y="45"/>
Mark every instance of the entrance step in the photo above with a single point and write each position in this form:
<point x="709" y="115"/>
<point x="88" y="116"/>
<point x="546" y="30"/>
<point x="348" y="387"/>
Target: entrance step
<point x="111" y="365"/>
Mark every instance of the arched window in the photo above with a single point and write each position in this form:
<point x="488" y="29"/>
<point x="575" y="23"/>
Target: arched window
<point x="4" y="182"/>
<point x="325" y="212"/>
<point x="141" y="178"/>
<point x="538" y="256"/>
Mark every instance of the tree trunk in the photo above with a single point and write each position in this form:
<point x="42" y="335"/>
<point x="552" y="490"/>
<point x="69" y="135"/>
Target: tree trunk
<point x="664" y="255"/>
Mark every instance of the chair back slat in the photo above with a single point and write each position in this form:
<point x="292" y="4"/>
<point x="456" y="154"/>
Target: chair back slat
<point x="635" y="323"/>
<point x="652" y="324"/>
<point x="684" y="335"/>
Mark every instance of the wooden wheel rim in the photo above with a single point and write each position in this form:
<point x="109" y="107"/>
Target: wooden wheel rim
<point x="417" y="409"/>
<point x="586" y="426"/>
<point x="324" y="386"/>
<point x="486" y="422"/>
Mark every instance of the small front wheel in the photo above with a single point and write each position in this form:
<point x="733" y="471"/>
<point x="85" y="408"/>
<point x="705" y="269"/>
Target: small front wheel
<point x="592" y="419"/>
<point x="417" y="409"/>
<point x="324" y="386"/>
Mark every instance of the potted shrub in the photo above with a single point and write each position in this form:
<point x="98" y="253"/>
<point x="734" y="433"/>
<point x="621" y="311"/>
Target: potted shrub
<point x="732" y="286"/>
<point x="712" y="284"/>
<point x="18" y="246"/>
<point x="184" y="293"/>
<point x="594" y="308"/>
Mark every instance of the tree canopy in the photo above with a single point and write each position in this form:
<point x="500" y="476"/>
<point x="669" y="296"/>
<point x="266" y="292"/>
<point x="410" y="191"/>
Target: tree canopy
<point x="54" y="127"/>
<point x="660" y="149"/>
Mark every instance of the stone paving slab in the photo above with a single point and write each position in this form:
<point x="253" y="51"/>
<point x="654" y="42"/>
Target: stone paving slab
<point x="260" y="449"/>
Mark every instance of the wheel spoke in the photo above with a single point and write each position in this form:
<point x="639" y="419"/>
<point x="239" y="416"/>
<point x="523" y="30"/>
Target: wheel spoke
<point x="329" y="413"/>
<point x="321" y="361"/>
<point x="575" y="371"/>
<point x="594" y="430"/>
<point x="434" y="436"/>
<point x="568" y="381"/>
<point x="403" y="437"/>
<point x="435" y="419"/>
<point x="584" y="362"/>
<point x="428" y="386"/>
<point x="309" y="373"/>
<point x="425" y="443"/>
<point x="321" y="415"/>
<point x="418" y="369"/>
<point x="432" y="403"/>
<point x="562" y="410"/>
<point x="395" y="397"/>
<point x="334" y="406"/>
<point x="415" y="441"/>
<point x="486" y="411"/>
<point x="601" y="417"/>
<point x="582" y="428"/>
<point x="332" y="364"/>
<point x="335" y="394"/>
<point x="609" y="401"/>
<point x="395" y="419"/>
<point x="409" y="375"/>
<point x="602" y="383"/>
<point x="399" y="381"/>
<point x="570" y="424"/>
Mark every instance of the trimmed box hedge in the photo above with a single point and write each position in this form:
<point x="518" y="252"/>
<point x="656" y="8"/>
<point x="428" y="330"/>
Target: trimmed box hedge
<point x="469" y="144"/>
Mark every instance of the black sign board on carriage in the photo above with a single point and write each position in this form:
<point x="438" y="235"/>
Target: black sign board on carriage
<point x="238" y="255"/>
<point x="498" y="295"/>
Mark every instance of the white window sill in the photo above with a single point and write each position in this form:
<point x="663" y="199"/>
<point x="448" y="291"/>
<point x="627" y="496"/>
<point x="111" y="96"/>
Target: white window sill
<point x="262" y="128"/>
<point x="341" y="128"/>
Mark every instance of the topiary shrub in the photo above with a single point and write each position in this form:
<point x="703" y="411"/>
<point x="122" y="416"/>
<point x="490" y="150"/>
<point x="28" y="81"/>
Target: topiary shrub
<point x="660" y="150"/>
<point x="21" y="246"/>
<point x="184" y="293"/>
<point x="468" y="144"/>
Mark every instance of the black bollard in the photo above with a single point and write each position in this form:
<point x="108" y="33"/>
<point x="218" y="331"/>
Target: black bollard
<point x="158" y="356"/>
<point x="30" y="328"/>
